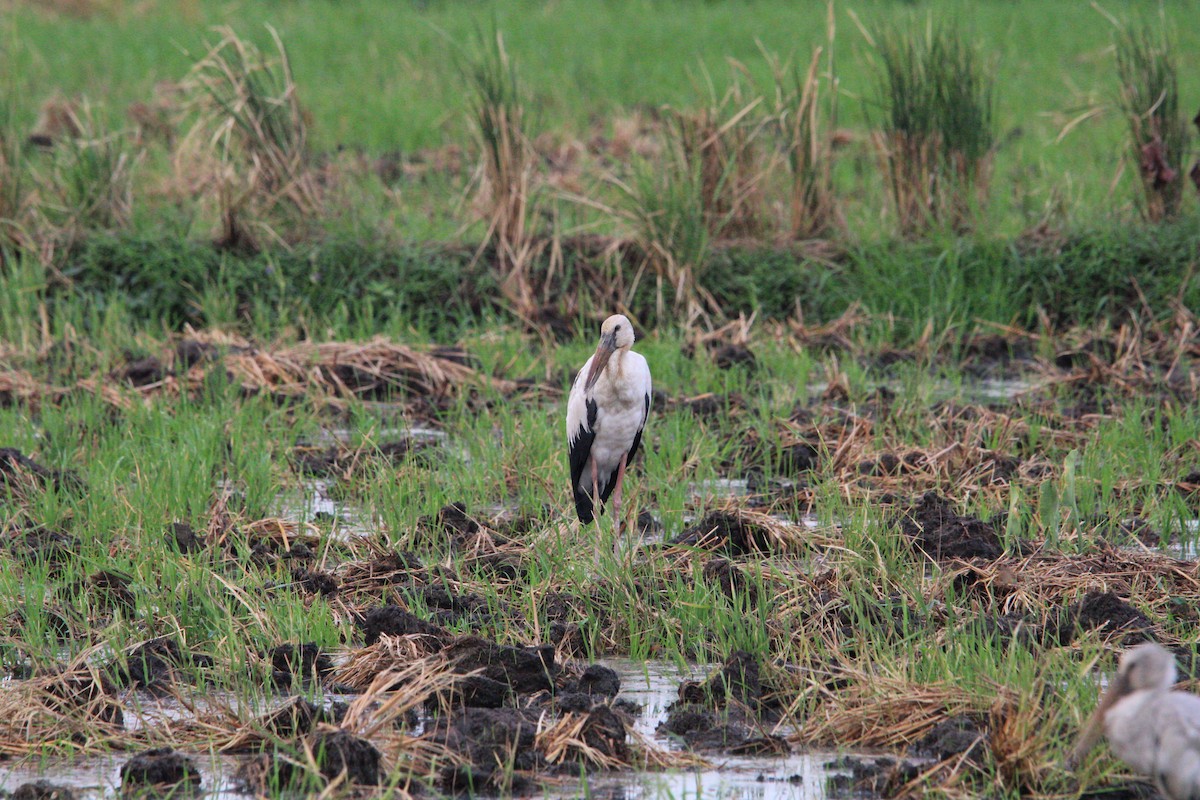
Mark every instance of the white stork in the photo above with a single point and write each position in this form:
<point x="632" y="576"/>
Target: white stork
<point x="606" y="413"/>
<point x="1149" y="727"/>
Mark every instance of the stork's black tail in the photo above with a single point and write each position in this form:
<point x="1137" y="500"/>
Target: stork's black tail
<point x="583" y="506"/>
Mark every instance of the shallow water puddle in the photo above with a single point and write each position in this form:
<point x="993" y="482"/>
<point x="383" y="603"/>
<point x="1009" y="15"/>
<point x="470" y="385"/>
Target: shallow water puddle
<point x="100" y="776"/>
<point x="311" y="502"/>
<point x="654" y="685"/>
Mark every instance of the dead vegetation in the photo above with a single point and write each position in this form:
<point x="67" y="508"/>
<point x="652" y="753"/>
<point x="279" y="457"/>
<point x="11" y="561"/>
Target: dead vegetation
<point x="443" y="620"/>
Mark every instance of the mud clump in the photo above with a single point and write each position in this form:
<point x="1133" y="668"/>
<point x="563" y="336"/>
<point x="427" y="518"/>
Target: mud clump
<point x="596" y="684"/>
<point x="154" y="665"/>
<point x="183" y="537"/>
<point x="42" y="790"/>
<point x="722" y="713"/>
<point x="393" y="620"/>
<point x="39" y="544"/>
<point x="940" y="533"/>
<point x="957" y="736"/>
<point x="139" y="372"/>
<point x="161" y="771"/>
<point x="1103" y="611"/>
<point x="484" y="738"/>
<point x="316" y="582"/>
<point x="110" y="590"/>
<point x="304" y="662"/>
<point x="87" y="694"/>
<point x="340" y="753"/>
<point x="522" y="669"/>
<point x="17" y="469"/>
<point x="728" y="532"/>
<point x="599" y="679"/>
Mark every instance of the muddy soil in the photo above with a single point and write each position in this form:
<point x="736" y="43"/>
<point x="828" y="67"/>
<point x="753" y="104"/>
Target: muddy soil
<point x="934" y="528"/>
<point x="42" y="790"/>
<point x="17" y="469"/>
<point x="159" y="772"/>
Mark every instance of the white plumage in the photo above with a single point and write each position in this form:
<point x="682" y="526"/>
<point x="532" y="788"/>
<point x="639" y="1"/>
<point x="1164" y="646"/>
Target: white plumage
<point x="606" y="413"/>
<point x="1153" y="729"/>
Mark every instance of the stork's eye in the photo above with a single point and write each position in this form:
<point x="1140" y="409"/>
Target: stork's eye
<point x="616" y="329"/>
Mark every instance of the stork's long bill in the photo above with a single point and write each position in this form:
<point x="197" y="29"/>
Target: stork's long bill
<point x="608" y="346"/>
<point x="1120" y="687"/>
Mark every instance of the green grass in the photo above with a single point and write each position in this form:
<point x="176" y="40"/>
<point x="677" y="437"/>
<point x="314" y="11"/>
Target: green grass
<point x="151" y="464"/>
<point x="383" y="78"/>
<point x="399" y="259"/>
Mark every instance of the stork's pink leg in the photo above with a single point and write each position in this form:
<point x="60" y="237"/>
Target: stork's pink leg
<point x="595" y="489"/>
<point x="616" y="495"/>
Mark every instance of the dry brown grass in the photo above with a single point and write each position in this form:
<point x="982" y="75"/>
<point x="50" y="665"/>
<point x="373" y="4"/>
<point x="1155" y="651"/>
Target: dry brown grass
<point x="248" y="149"/>
<point x="505" y="197"/>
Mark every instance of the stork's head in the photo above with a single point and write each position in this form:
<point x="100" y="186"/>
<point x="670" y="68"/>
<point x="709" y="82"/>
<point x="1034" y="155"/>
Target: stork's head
<point x="615" y="334"/>
<point x="1147" y="667"/>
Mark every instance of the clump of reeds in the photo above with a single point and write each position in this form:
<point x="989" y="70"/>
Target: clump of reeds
<point x="16" y="191"/>
<point x="505" y="193"/>
<point x="1149" y="98"/>
<point x="90" y="185"/>
<point x="806" y="139"/>
<point x="251" y="120"/>
<point x="710" y="184"/>
<point x="937" y="137"/>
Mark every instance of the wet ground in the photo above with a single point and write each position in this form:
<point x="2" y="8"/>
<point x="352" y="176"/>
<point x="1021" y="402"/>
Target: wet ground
<point x="463" y="666"/>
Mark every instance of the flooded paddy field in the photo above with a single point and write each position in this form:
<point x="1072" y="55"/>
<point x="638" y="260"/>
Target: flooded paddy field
<point x="234" y="568"/>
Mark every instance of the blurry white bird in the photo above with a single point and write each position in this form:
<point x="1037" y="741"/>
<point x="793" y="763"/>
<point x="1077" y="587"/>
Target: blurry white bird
<point x="606" y="413"/>
<point x="1149" y="727"/>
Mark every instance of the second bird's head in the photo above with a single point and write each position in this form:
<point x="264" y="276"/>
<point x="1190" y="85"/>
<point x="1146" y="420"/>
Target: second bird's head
<point x="615" y="334"/>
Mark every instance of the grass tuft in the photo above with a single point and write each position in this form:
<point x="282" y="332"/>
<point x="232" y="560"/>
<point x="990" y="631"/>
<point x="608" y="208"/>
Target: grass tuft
<point x="498" y="107"/>
<point x="1149" y="99"/>
<point x="936" y="91"/>
<point x="251" y="120"/>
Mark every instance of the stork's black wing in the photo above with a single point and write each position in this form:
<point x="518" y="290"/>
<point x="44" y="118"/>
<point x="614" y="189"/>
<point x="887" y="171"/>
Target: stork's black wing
<point x="580" y="450"/>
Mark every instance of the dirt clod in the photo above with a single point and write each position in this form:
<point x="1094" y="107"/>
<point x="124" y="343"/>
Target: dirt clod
<point x="184" y="537"/>
<point x="727" y="531"/>
<point x="1103" y="611"/>
<point x="599" y="679"/>
<point x="159" y="769"/>
<point x="395" y="621"/>
<point x="153" y="666"/>
<point x="17" y="469"/>
<point x="339" y="752"/>
<point x="523" y="669"/>
<point x="940" y="533"/>
<point x="305" y="662"/>
<point x="485" y="738"/>
<point x="42" y="790"/>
